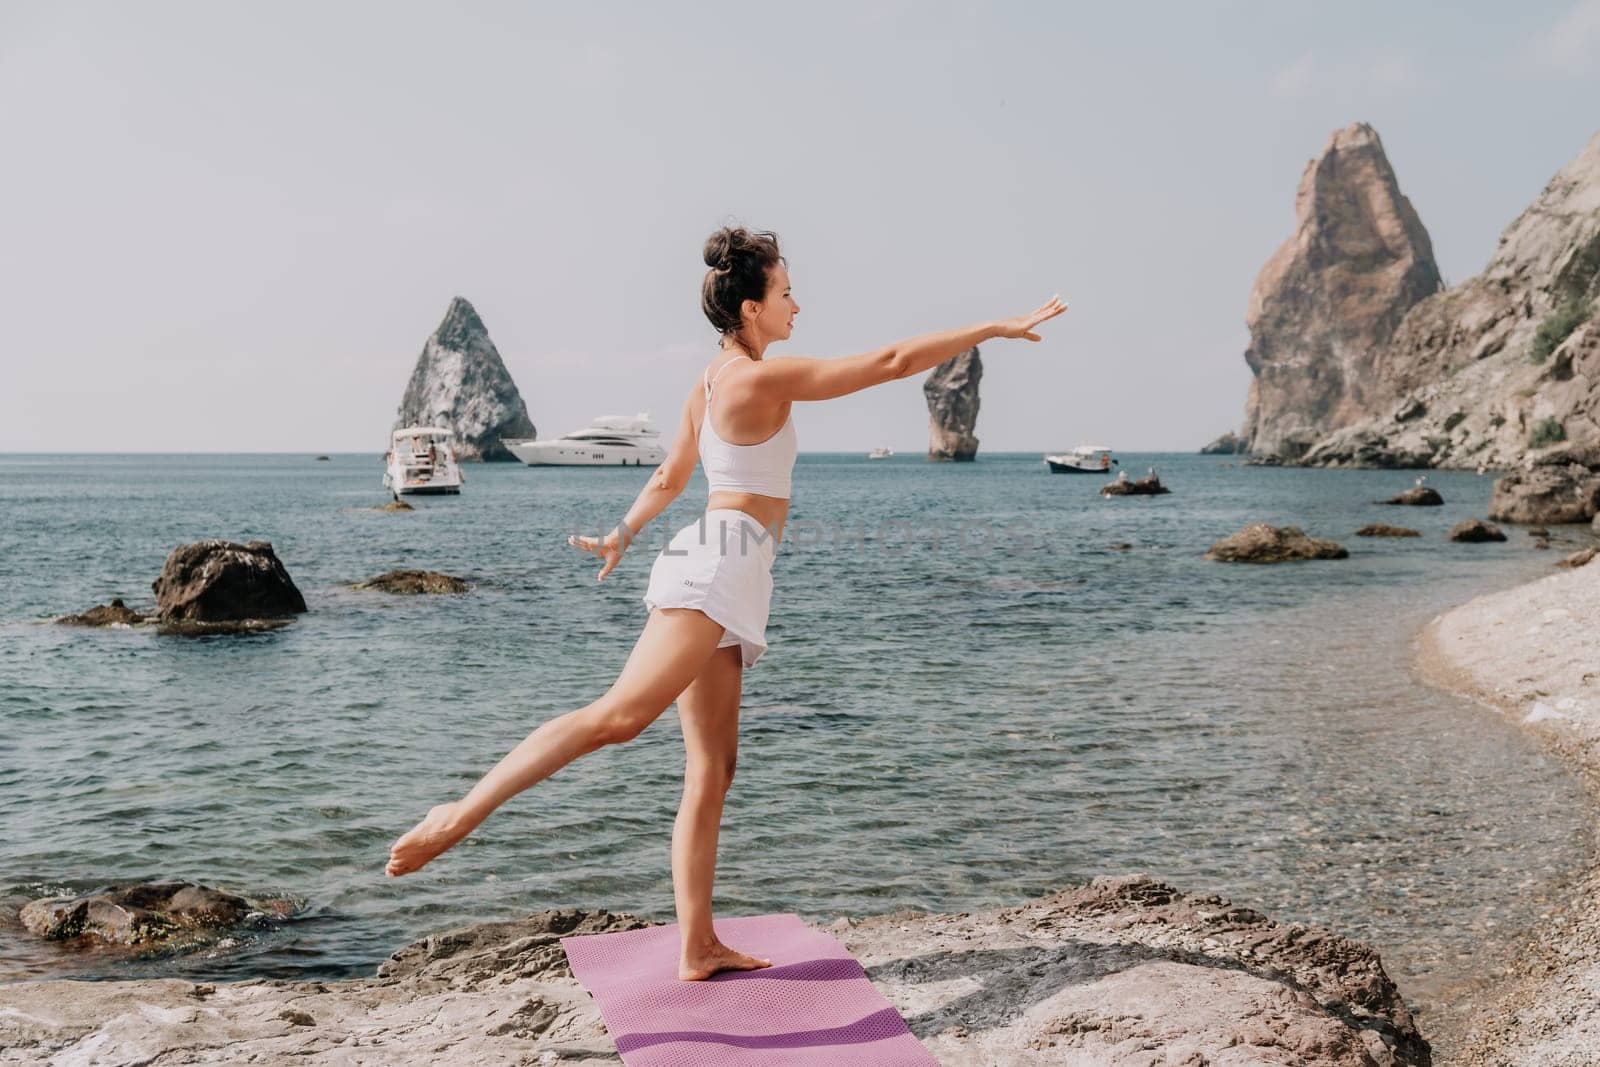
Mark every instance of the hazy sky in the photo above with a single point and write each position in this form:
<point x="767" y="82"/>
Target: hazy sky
<point x="230" y="226"/>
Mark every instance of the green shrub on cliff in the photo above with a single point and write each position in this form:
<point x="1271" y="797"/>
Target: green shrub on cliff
<point x="1557" y="327"/>
<point x="1546" y="432"/>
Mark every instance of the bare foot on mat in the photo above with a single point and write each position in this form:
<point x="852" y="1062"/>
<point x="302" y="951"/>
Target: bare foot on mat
<point x="702" y="964"/>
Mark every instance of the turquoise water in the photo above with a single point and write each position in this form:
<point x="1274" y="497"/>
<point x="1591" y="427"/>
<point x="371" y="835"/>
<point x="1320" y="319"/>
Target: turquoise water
<point x="970" y="699"/>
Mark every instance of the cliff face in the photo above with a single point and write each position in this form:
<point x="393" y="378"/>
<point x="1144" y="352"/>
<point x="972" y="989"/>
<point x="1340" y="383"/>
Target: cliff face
<point x="1498" y="371"/>
<point x="461" y="382"/>
<point x="951" y="390"/>
<point x="1330" y="298"/>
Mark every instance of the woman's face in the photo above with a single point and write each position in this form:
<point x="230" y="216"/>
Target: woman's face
<point x="773" y="318"/>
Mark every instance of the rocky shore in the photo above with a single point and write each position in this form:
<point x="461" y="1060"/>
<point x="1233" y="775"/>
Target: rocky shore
<point x="1534" y="653"/>
<point x="1120" y="971"/>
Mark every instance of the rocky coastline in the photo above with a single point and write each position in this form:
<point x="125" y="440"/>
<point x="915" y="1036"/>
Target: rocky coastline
<point x="1361" y="356"/>
<point x="1533" y="653"/>
<point x="1119" y="971"/>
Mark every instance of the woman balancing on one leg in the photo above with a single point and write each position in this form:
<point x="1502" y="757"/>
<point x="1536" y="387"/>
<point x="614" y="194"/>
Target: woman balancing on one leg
<point x="710" y="589"/>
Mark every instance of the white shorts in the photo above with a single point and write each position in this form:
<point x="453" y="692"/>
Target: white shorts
<point x="720" y="564"/>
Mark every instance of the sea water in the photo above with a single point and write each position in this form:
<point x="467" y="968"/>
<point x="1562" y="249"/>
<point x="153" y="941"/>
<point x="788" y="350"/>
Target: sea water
<point x="985" y="683"/>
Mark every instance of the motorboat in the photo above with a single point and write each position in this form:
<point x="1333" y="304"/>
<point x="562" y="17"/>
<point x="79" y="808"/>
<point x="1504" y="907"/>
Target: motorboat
<point x="881" y="452"/>
<point x="422" y="459"/>
<point x="1085" y="459"/>
<point x="608" y="441"/>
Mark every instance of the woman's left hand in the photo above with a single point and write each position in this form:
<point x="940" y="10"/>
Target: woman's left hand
<point x="609" y="548"/>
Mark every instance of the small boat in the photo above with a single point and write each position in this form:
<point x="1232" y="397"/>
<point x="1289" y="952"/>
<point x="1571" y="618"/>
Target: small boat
<point x="422" y="459"/>
<point x="1085" y="459"/>
<point x="608" y="441"/>
<point x="881" y="452"/>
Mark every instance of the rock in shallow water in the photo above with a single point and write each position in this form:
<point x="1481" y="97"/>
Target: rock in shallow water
<point x="1379" y="529"/>
<point x="220" y="581"/>
<point x="1548" y="495"/>
<point x="1262" y="543"/>
<point x="1417" y="496"/>
<point x="414" y="582"/>
<point x="1476" y="531"/>
<point x="115" y="613"/>
<point x="144" y="915"/>
<point x="1149" y="485"/>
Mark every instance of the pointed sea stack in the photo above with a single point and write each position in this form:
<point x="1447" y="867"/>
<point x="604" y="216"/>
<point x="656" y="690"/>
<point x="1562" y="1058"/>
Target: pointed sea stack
<point x="1332" y="296"/>
<point x="461" y="382"/>
<point x="952" y="393"/>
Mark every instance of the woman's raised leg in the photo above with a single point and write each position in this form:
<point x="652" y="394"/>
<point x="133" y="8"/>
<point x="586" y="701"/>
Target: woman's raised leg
<point x="708" y="711"/>
<point x="671" y="651"/>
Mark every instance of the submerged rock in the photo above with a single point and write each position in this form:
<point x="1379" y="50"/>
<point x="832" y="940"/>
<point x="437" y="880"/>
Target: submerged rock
<point x="1263" y="543"/>
<point x="1149" y="485"/>
<point x="413" y="582"/>
<point x="395" y="505"/>
<point x="224" y="582"/>
<point x="1417" y="496"/>
<point x="1548" y="495"/>
<point x="461" y="382"/>
<point x="144" y="915"/>
<point x="115" y="613"/>
<point x="1379" y="529"/>
<point x="1475" y="531"/>
<point x="1122" y="970"/>
<point x="951" y="390"/>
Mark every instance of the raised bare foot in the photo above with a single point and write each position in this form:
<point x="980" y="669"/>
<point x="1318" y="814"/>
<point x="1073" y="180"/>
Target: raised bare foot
<point x="701" y="964"/>
<point x="436" y="832"/>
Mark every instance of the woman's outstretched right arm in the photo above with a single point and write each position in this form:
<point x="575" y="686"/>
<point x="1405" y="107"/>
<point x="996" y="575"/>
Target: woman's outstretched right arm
<point x="799" y="378"/>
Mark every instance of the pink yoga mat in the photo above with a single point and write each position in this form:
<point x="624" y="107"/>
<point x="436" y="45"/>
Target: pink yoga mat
<point x="812" y="1008"/>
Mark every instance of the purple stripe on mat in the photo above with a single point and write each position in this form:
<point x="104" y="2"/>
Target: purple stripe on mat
<point x="814" y="1007"/>
<point x="875" y="1027"/>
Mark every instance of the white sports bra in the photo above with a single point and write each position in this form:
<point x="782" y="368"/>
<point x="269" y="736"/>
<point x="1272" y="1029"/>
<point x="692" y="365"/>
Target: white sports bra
<point x="763" y="468"/>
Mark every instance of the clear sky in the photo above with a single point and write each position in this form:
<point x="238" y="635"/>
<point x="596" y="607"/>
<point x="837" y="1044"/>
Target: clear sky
<point x="230" y="227"/>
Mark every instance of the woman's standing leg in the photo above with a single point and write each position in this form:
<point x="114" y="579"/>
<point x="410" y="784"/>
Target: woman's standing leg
<point x="671" y="651"/>
<point x="708" y="711"/>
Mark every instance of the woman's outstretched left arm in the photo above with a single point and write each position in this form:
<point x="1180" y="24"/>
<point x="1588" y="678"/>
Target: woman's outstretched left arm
<point x="666" y="482"/>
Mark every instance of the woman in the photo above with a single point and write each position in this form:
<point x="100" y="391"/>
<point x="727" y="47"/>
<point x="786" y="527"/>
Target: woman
<point x="710" y="588"/>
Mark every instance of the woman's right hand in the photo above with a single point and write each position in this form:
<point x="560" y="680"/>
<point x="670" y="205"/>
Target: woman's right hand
<point x="1022" y="326"/>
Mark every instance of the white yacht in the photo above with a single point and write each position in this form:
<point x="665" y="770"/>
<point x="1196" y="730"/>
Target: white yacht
<point x="608" y="441"/>
<point x="881" y="452"/>
<point x="422" y="459"/>
<point x="1085" y="459"/>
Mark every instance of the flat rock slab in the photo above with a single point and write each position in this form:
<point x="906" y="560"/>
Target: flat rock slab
<point x="1121" y="971"/>
<point x="1380" y="529"/>
<point x="115" y="613"/>
<point x="413" y="582"/>
<point x="1262" y="543"/>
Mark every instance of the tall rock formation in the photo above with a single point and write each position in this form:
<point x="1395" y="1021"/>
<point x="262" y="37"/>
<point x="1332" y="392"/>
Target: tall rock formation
<point x="1329" y="300"/>
<point x="951" y="390"/>
<point x="460" y="382"/>
<point x="1500" y="371"/>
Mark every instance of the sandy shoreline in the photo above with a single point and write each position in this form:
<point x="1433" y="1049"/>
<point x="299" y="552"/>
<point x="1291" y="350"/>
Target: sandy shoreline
<point x="1533" y="652"/>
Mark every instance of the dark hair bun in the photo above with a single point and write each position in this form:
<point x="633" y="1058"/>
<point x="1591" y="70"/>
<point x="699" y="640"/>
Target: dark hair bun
<point x="739" y="261"/>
